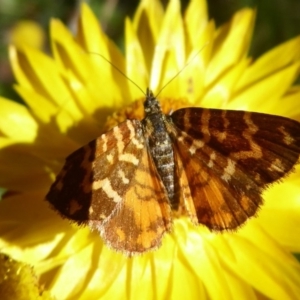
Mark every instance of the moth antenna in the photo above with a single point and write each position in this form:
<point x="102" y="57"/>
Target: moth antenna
<point x="121" y="72"/>
<point x="178" y="73"/>
<point x="128" y="78"/>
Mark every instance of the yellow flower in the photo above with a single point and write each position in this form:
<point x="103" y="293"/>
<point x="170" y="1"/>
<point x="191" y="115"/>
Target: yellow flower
<point x="29" y="33"/>
<point x="68" y="100"/>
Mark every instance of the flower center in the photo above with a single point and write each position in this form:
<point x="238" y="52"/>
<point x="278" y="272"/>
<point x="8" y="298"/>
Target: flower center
<point x="136" y="111"/>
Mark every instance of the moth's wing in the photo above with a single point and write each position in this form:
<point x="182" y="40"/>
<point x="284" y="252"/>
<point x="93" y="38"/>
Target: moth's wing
<point x="97" y="180"/>
<point x="229" y="157"/>
<point x="143" y="216"/>
<point x="91" y="182"/>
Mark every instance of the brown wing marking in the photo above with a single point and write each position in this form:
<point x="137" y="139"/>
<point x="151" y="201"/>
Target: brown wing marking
<point x="266" y="147"/>
<point x="219" y="204"/>
<point x="223" y="195"/>
<point x="96" y="176"/>
<point x="229" y="158"/>
<point x="140" y="220"/>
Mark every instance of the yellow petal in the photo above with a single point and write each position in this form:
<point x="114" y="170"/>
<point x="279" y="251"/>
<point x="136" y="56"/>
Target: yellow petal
<point x="16" y="122"/>
<point x="231" y="44"/>
<point x="30" y="236"/>
<point x="220" y="94"/>
<point x="138" y="72"/>
<point x="147" y="24"/>
<point x="196" y="20"/>
<point x="30" y="63"/>
<point x="95" y="42"/>
<point x="267" y="265"/>
<point x="288" y="104"/>
<point x="262" y="93"/>
<point x="29" y="33"/>
<point x="271" y="62"/>
<point x="170" y="42"/>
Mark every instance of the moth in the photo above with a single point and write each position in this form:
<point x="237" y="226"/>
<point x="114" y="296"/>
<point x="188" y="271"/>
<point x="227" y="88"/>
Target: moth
<point x="208" y="164"/>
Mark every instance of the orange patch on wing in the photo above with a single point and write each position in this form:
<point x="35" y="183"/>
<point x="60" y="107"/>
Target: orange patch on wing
<point x="141" y="219"/>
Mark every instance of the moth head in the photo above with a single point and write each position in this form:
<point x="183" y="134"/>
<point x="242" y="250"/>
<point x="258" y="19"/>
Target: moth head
<point x="151" y="104"/>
